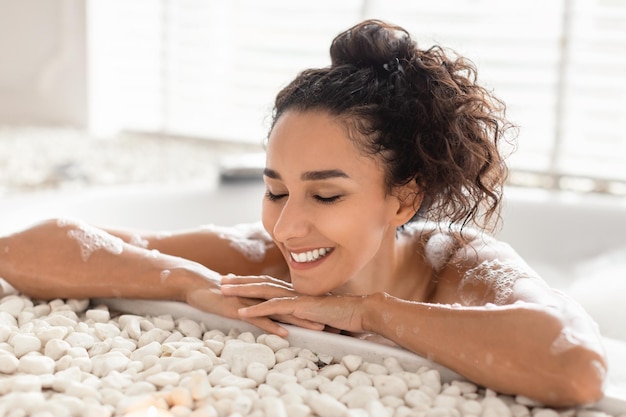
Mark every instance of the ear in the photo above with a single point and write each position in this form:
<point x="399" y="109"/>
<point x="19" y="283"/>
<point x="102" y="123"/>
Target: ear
<point x="410" y="198"/>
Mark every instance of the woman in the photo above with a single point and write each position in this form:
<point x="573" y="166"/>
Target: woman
<point x="380" y="171"/>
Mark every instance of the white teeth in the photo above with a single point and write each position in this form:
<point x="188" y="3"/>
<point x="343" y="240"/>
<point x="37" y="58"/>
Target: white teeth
<point x="310" y="256"/>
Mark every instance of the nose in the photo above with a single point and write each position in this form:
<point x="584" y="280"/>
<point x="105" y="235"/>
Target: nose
<point x="292" y="221"/>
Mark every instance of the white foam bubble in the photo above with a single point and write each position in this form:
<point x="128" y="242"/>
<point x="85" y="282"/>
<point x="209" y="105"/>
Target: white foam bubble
<point x="137" y="240"/>
<point x="496" y="276"/>
<point x="91" y="239"/>
<point x="249" y="239"/>
<point x="438" y="250"/>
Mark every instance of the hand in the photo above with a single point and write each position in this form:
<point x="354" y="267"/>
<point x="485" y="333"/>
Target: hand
<point x="213" y="301"/>
<point x="284" y="304"/>
<point x="258" y="289"/>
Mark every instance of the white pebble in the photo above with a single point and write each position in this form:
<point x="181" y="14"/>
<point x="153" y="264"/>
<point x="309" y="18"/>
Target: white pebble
<point x="8" y="362"/>
<point x="119" y="342"/>
<point x="79" y="339"/>
<point x="378" y="409"/>
<point x="334" y="388"/>
<point x="284" y="354"/>
<point x="215" y="345"/>
<point x="273" y="407"/>
<point x="36" y="364"/>
<point x="153" y="335"/>
<point x="390" y="385"/>
<point x="25" y="343"/>
<point x="431" y="379"/>
<point x="240" y="354"/>
<point x="189" y="328"/>
<point x="257" y="371"/>
<point x="358" y="378"/>
<point x="327" y="406"/>
<point x="153" y="348"/>
<point x="12" y="305"/>
<point x="26" y="383"/>
<point x="80" y="390"/>
<point x="7" y="319"/>
<point x="132" y="328"/>
<point x="139" y="388"/>
<point x="56" y="348"/>
<point x="519" y="410"/>
<point x="374" y="368"/>
<point x="358" y="397"/>
<point x="494" y="406"/>
<point x="5" y="333"/>
<point x="106" y="330"/>
<point x="98" y="315"/>
<point x="276" y="342"/>
<point x="393" y="365"/>
<point x="418" y="399"/>
<point x="352" y="362"/>
<point x="163" y="379"/>
<point x="334" y="370"/>
<point x="77" y="306"/>
<point x="111" y="361"/>
<point x="471" y="407"/>
<point x="446" y="401"/>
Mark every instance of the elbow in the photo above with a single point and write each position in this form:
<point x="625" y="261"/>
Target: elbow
<point x="583" y="379"/>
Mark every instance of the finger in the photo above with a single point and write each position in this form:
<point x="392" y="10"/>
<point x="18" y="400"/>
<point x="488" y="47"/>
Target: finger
<point x="307" y="324"/>
<point x="250" y="279"/>
<point x="284" y="306"/>
<point x="268" y="325"/>
<point x="261" y="290"/>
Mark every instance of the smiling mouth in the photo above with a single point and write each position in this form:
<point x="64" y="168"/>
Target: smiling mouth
<point x="310" y="256"/>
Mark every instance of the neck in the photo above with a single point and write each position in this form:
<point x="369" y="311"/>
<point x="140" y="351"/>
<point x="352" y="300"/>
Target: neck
<point x="383" y="272"/>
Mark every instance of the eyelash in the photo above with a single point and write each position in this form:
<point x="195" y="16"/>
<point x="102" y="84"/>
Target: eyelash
<point x="323" y="200"/>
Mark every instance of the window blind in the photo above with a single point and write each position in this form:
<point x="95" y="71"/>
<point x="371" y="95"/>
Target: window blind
<point x="211" y="69"/>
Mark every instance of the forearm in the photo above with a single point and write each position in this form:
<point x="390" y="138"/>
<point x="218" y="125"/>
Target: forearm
<point x="506" y="348"/>
<point x="51" y="261"/>
<point x="224" y="250"/>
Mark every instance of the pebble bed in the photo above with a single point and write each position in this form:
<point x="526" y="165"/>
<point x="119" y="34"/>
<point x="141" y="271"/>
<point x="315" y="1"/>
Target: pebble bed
<point x="71" y="358"/>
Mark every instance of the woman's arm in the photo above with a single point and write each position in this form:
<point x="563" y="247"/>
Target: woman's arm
<point x="535" y="342"/>
<point x="245" y="249"/>
<point x="548" y="353"/>
<point x="71" y="259"/>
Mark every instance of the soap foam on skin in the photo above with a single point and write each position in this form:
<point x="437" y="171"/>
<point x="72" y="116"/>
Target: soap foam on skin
<point x="438" y="250"/>
<point x="251" y="240"/>
<point x="91" y="239"/>
<point x="137" y="240"/>
<point x="498" y="276"/>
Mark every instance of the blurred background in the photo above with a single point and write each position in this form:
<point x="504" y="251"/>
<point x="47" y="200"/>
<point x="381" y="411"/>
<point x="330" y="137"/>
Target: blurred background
<point x="103" y="92"/>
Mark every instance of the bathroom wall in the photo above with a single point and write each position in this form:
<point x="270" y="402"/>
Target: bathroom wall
<point x="43" y="62"/>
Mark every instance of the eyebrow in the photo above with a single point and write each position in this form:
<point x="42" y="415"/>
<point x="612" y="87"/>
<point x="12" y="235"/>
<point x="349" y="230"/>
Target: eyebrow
<point x="310" y="175"/>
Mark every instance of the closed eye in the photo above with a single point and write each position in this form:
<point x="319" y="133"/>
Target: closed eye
<point x="327" y="200"/>
<point x="274" y="197"/>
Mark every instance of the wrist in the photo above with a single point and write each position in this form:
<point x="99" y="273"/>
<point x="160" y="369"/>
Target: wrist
<point x="373" y="311"/>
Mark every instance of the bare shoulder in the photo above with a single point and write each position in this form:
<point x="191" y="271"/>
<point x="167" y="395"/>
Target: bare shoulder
<point x="474" y="268"/>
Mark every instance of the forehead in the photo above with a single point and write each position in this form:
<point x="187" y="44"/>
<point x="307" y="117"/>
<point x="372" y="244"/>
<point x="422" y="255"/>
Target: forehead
<point x="311" y="133"/>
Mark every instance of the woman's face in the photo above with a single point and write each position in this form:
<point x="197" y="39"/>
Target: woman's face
<point x="326" y="207"/>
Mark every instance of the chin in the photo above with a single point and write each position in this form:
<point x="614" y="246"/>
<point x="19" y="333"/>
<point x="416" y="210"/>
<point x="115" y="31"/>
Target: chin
<point x="311" y="290"/>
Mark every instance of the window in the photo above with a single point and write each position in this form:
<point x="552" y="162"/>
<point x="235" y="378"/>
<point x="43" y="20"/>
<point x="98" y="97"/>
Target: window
<point x="210" y="68"/>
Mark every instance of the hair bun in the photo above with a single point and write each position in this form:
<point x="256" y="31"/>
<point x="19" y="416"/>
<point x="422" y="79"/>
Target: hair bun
<point x="371" y="43"/>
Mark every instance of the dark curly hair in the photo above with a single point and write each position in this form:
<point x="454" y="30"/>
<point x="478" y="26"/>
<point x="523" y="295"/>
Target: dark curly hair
<point x="421" y="111"/>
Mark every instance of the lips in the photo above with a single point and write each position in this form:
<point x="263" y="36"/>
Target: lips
<point x="310" y="255"/>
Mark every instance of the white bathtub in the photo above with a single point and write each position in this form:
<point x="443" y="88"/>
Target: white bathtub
<point x="560" y="235"/>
